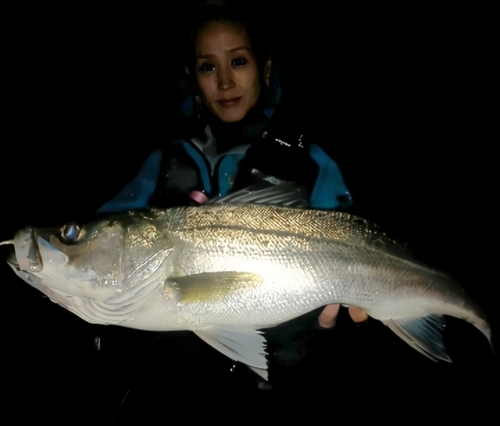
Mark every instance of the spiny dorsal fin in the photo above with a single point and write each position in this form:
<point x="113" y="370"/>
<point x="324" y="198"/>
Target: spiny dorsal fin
<point x="284" y="194"/>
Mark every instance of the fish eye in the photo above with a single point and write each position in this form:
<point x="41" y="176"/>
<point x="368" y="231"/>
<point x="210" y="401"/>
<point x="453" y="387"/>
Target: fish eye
<point x="70" y="232"/>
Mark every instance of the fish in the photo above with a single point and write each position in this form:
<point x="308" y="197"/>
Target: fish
<point x="228" y="270"/>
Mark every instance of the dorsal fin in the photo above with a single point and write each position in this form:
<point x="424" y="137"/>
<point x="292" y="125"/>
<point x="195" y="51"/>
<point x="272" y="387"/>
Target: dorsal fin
<point x="285" y="194"/>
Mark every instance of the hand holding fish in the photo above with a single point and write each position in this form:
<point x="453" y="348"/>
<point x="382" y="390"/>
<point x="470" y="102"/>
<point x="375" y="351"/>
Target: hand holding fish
<point x="328" y="317"/>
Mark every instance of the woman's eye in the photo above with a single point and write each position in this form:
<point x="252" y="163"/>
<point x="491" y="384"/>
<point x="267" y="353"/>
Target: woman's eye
<point x="70" y="232"/>
<point x="206" y="67"/>
<point x="238" y="62"/>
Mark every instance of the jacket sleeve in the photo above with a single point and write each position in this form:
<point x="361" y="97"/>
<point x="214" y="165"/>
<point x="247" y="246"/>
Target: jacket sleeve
<point x="330" y="191"/>
<point x="292" y="158"/>
<point x="136" y="194"/>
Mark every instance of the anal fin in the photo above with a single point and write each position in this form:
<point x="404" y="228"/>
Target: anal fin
<point x="422" y="334"/>
<point x="241" y="344"/>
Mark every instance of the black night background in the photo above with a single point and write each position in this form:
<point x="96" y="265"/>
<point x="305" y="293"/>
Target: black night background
<point x="400" y="99"/>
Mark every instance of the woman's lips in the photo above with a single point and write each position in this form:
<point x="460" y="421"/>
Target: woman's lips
<point x="226" y="103"/>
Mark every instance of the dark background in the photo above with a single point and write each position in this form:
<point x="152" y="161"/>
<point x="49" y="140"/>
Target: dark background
<point x="401" y="99"/>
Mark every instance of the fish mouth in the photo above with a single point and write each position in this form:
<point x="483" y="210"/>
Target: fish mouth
<point x="26" y="255"/>
<point x="12" y="259"/>
<point x="30" y="251"/>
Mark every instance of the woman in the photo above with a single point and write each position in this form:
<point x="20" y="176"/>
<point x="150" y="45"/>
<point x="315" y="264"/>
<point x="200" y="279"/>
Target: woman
<point x="232" y="126"/>
<point x="235" y="144"/>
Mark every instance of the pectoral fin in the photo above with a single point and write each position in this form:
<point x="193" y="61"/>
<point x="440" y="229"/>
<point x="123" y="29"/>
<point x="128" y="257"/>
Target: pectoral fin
<point x="422" y="334"/>
<point x="212" y="286"/>
<point x="239" y="343"/>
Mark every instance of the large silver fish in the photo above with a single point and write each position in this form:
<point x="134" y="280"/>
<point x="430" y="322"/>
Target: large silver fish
<point x="225" y="271"/>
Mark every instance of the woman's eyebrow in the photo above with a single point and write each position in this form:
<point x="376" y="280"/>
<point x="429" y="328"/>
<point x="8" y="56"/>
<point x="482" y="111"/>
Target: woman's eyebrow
<point x="209" y="55"/>
<point x="238" y="48"/>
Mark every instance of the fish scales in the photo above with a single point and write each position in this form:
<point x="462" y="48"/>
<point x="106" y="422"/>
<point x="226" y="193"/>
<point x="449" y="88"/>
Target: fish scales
<point x="225" y="271"/>
<point x="300" y="245"/>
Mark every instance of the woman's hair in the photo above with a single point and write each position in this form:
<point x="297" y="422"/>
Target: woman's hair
<point x="219" y="11"/>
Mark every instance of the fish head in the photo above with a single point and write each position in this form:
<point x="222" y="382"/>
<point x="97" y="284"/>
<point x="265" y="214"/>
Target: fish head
<point x="105" y="263"/>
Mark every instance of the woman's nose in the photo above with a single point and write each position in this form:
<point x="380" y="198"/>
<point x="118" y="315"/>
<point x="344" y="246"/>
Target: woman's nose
<point x="226" y="81"/>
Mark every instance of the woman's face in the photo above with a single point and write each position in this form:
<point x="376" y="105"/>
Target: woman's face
<point x="226" y="71"/>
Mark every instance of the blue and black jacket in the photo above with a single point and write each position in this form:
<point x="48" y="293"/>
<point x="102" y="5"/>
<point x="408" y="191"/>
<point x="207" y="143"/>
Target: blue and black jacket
<point x="221" y="158"/>
<point x="168" y="176"/>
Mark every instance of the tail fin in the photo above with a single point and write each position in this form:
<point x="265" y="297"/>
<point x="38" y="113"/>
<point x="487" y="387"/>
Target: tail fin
<point x="483" y="326"/>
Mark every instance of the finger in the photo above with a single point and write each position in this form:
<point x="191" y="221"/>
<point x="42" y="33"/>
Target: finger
<point x="328" y="316"/>
<point x="357" y="314"/>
